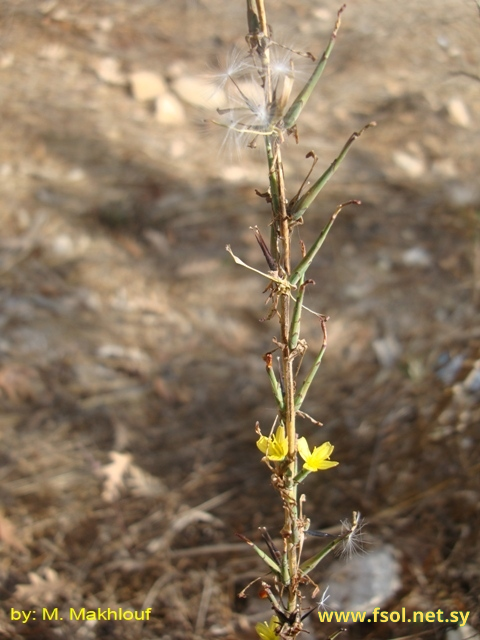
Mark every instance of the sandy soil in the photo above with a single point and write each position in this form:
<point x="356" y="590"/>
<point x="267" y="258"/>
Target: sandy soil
<point x="131" y="374"/>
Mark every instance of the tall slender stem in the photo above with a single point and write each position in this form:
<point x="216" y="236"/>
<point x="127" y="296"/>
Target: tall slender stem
<point x="281" y="236"/>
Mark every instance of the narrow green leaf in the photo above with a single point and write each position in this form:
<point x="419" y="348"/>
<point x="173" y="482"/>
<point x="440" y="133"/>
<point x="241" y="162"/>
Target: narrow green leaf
<point x="312" y="562"/>
<point x="297" y="315"/>
<point x="300" y="396"/>
<point x="276" y="388"/>
<point x="302" y="204"/>
<point x="285" y="571"/>
<point x="299" y="272"/>
<point x="274" y="194"/>
<point x="252" y="19"/>
<point x="301" y="100"/>
<point x="266" y="558"/>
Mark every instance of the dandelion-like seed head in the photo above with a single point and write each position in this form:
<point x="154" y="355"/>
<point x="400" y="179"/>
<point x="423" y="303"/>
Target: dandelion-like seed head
<point x="234" y="141"/>
<point x="287" y="60"/>
<point x="250" y="113"/>
<point x="247" y="115"/>
<point x="259" y="115"/>
<point x="353" y="542"/>
<point x="281" y="64"/>
<point x="322" y="603"/>
<point x="236" y="65"/>
<point x="246" y="96"/>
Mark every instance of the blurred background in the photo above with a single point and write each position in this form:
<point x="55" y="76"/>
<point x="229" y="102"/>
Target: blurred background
<point x="131" y="372"/>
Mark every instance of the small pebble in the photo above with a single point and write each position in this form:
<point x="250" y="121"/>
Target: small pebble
<point x="413" y="166"/>
<point x="458" y="112"/>
<point x="416" y="257"/>
<point x="388" y="350"/>
<point x="169" y="110"/>
<point x="108" y="70"/>
<point x="146" y="85"/>
<point x="199" y="92"/>
<point x="364" y="582"/>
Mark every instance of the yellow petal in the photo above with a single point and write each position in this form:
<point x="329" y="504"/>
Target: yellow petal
<point x="262" y="444"/>
<point x="303" y="448"/>
<point x="266" y="630"/>
<point x="323" y="452"/>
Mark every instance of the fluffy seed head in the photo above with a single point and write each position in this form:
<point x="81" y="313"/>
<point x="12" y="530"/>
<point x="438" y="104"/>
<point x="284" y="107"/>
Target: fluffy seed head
<point x="353" y="542"/>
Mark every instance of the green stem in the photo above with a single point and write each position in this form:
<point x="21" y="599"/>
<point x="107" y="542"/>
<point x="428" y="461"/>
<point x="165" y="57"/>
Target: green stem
<point x="274" y="194"/>
<point x="282" y="242"/>
<point x="297" y="314"/>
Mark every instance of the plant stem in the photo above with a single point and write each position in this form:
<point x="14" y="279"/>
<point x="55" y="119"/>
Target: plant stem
<point x="281" y="243"/>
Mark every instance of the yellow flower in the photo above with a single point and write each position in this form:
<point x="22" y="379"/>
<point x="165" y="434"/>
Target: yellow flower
<point x="276" y="446"/>
<point x="318" y="458"/>
<point x="266" y="630"/>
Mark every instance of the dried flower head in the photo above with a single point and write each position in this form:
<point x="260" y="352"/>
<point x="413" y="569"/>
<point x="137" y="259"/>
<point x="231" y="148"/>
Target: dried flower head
<point x="353" y="539"/>
<point x="252" y="112"/>
<point x="236" y="65"/>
